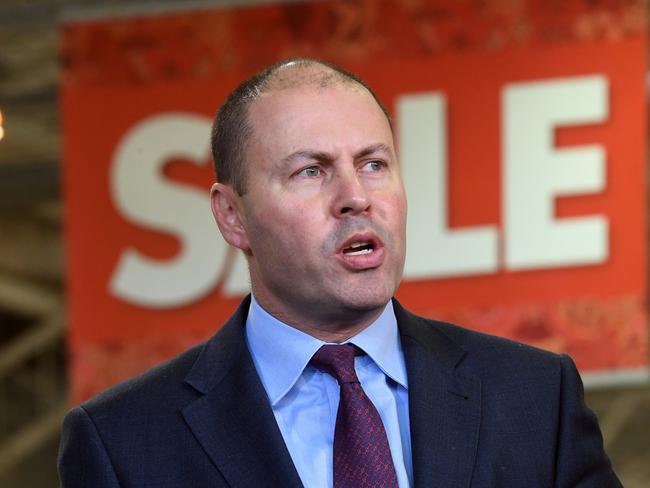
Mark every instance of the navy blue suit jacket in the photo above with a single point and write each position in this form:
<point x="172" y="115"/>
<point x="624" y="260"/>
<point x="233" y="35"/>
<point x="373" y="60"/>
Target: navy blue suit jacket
<point x="484" y="412"/>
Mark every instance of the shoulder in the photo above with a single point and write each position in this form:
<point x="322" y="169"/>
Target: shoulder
<point x="485" y="356"/>
<point x="531" y="402"/>
<point x="153" y="392"/>
<point x="124" y="419"/>
<point x="481" y="347"/>
<point x="168" y="387"/>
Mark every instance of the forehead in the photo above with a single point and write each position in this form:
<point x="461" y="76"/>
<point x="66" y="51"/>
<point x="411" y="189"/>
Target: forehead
<point x="339" y="114"/>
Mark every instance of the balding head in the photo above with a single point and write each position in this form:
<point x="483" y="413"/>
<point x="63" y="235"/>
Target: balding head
<point x="232" y="128"/>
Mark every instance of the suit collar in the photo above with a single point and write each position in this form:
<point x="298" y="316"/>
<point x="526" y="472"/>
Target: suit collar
<point x="232" y="420"/>
<point x="234" y="423"/>
<point x="281" y="352"/>
<point x="444" y="404"/>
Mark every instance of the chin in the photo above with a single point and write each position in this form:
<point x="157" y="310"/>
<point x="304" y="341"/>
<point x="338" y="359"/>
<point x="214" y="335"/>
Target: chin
<point x="367" y="300"/>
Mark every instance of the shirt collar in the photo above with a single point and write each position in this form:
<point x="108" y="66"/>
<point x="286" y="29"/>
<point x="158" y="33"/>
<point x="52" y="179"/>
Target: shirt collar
<point x="281" y="352"/>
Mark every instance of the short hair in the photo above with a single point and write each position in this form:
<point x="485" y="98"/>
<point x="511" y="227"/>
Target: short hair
<point x="232" y="128"/>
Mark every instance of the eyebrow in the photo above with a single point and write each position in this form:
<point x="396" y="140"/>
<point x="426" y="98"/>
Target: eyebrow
<point x="374" y="148"/>
<point x="326" y="157"/>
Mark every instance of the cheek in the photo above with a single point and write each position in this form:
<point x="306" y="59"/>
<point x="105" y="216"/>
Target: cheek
<point x="281" y="230"/>
<point x="395" y="222"/>
<point x="395" y="209"/>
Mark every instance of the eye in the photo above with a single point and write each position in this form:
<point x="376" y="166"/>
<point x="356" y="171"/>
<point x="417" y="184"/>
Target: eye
<point x="310" y="172"/>
<point x="373" y="166"/>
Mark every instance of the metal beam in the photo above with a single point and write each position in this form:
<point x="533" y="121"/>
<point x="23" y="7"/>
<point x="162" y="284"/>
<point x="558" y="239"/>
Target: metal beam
<point x="30" y="438"/>
<point x="31" y="343"/>
<point x="26" y="297"/>
<point x="33" y="12"/>
<point x="26" y="184"/>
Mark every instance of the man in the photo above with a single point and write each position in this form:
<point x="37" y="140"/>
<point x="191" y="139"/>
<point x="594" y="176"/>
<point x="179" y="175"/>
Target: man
<point x="309" y="189"/>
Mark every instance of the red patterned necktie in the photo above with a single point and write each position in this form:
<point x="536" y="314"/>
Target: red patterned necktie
<point x="361" y="451"/>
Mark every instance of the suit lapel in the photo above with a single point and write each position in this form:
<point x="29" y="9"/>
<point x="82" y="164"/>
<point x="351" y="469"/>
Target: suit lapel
<point x="444" y="406"/>
<point x="234" y="423"/>
<point x="233" y="420"/>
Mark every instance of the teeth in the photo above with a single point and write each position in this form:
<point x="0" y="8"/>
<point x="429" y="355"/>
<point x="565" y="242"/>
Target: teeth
<point x="360" y="252"/>
<point x="359" y="248"/>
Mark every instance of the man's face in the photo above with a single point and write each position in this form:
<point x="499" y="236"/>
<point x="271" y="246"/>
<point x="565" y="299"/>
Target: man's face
<point x="324" y="212"/>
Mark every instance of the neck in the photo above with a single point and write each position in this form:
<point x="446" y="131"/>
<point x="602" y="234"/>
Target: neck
<point x="333" y="327"/>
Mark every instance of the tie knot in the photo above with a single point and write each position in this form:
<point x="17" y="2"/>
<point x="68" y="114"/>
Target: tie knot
<point x="338" y="361"/>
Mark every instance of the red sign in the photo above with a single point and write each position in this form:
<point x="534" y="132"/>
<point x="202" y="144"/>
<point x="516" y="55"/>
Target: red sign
<point x="523" y="164"/>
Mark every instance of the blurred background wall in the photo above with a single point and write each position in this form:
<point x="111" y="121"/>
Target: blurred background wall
<point x="45" y="45"/>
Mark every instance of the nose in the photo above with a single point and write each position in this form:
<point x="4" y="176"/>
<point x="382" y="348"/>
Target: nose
<point x="350" y="195"/>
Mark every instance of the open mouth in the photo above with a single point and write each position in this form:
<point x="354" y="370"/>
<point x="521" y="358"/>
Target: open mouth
<point x="362" y="251"/>
<point x="359" y="248"/>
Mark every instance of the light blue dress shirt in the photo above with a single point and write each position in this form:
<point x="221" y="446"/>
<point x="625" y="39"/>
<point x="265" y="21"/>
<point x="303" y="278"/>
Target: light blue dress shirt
<point x="305" y="400"/>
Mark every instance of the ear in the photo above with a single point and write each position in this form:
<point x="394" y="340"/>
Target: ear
<point x="226" y="208"/>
